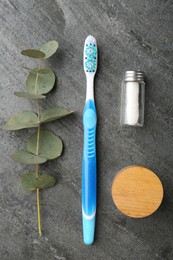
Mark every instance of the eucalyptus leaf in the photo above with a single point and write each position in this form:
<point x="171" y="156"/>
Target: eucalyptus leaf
<point x="27" y="181"/>
<point x="32" y="53"/>
<point x="22" y="120"/>
<point x="54" y="113"/>
<point x="45" y="82"/>
<point x="31" y="182"/>
<point x="26" y="157"/>
<point x="49" y="48"/>
<point x="28" y="95"/>
<point x="44" y="181"/>
<point x="50" y="145"/>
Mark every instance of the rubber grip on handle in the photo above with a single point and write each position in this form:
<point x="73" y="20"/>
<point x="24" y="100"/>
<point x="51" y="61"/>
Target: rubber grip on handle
<point x="89" y="172"/>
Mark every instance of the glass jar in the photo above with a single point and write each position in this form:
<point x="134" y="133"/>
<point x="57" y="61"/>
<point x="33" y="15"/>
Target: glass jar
<point x="133" y="99"/>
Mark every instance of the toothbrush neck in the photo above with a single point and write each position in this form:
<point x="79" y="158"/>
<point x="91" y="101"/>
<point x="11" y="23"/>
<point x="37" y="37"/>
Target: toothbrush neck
<point x="90" y="87"/>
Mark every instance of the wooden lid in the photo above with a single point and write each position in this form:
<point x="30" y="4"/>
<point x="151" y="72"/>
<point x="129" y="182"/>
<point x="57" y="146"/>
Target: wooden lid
<point x="137" y="192"/>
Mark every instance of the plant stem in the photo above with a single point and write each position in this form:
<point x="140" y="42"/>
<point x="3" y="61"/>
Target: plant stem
<point x="37" y="152"/>
<point x="38" y="212"/>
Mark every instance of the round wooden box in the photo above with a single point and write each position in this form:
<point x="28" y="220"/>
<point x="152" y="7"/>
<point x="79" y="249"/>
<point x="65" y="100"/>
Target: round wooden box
<point x="137" y="192"/>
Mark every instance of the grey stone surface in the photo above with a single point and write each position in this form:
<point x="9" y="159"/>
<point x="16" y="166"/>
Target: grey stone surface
<point x="131" y="35"/>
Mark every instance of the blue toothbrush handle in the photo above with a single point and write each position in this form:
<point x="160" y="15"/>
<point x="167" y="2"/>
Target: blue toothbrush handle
<point x="89" y="172"/>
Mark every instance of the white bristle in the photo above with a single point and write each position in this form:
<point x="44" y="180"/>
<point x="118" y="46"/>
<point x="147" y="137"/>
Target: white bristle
<point x="90" y="39"/>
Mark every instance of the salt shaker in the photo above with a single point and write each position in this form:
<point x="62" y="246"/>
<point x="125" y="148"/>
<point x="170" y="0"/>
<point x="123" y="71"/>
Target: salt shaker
<point x="133" y="99"/>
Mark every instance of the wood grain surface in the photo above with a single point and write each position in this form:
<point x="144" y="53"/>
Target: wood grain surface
<point x="131" y="35"/>
<point x="137" y="192"/>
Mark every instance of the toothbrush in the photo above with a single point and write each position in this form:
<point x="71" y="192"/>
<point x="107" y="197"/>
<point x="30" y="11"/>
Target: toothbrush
<point x="89" y="178"/>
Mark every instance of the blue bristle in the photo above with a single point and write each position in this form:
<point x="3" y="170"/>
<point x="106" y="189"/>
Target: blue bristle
<point x="90" y="57"/>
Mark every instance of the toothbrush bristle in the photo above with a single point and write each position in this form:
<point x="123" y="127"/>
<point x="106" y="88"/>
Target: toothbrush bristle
<point x="90" y="55"/>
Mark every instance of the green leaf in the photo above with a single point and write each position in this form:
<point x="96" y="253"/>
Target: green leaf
<point x="50" y="145"/>
<point x="28" y="95"/>
<point x="22" y="120"/>
<point x="49" y="48"/>
<point x="32" y="53"/>
<point x="28" y="158"/>
<point x="46" y="81"/>
<point x="27" y="181"/>
<point x="31" y="182"/>
<point x="44" y="181"/>
<point x="54" y="113"/>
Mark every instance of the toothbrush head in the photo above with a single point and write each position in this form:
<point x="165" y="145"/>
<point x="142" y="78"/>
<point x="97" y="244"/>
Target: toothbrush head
<point x="90" y="55"/>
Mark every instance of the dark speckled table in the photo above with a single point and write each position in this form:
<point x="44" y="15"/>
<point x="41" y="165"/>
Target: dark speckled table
<point x="131" y="35"/>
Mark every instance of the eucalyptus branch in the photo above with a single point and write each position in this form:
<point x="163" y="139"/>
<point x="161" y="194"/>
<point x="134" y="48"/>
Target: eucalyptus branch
<point x="42" y="145"/>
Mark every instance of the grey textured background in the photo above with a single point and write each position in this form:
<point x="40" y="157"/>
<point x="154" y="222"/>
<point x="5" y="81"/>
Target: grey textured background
<point x="131" y="35"/>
